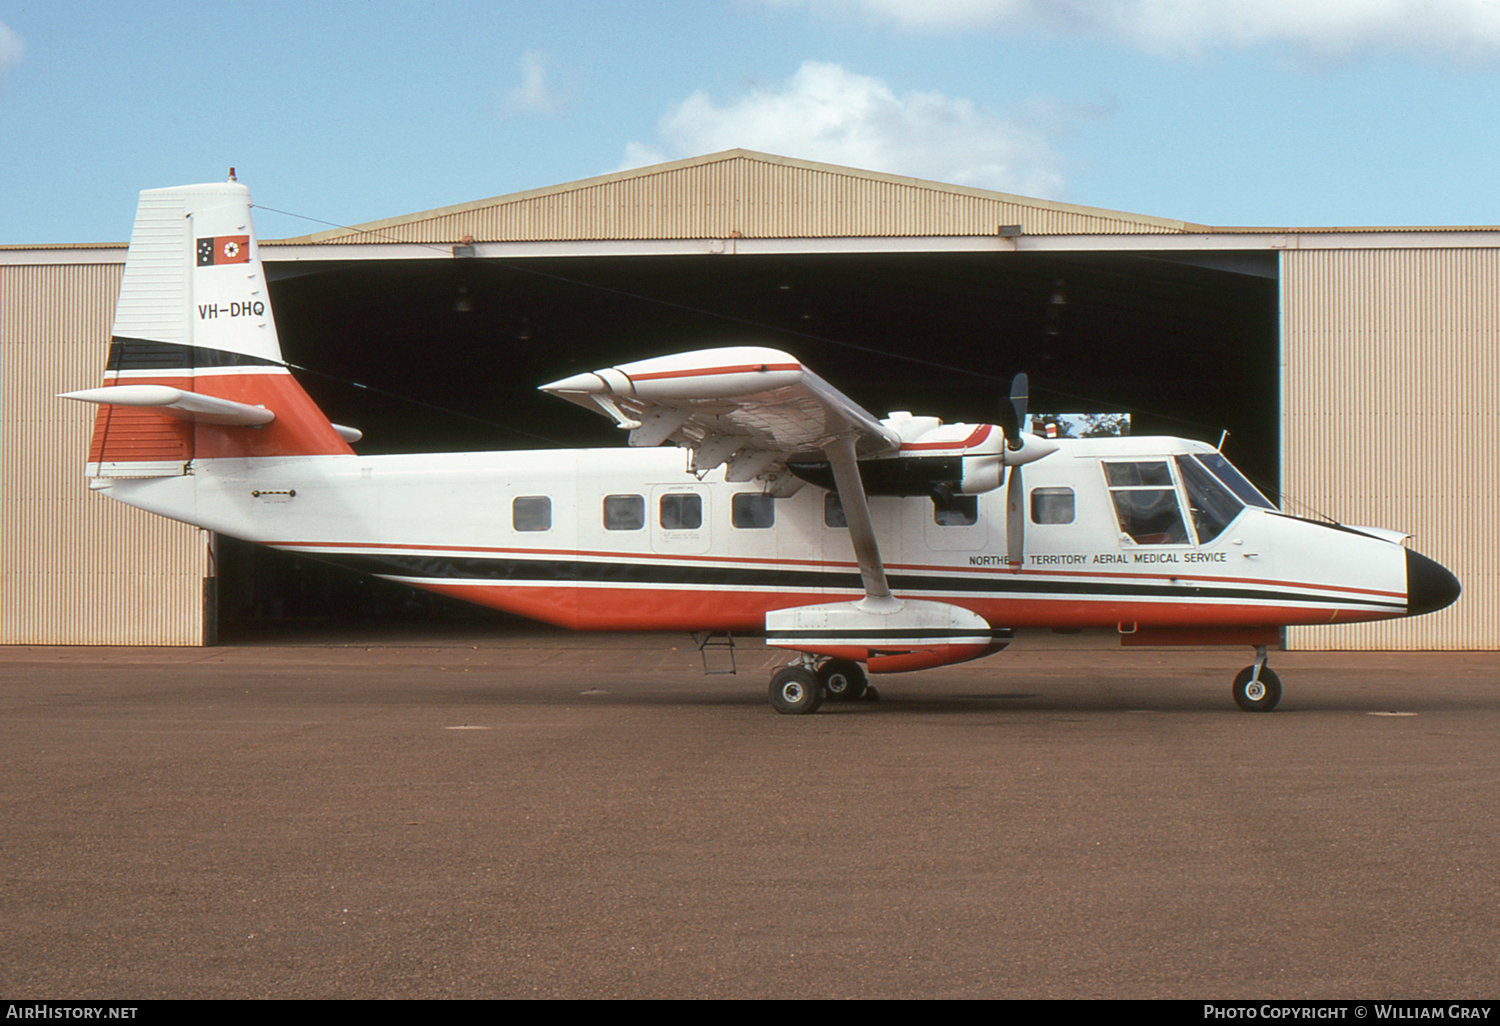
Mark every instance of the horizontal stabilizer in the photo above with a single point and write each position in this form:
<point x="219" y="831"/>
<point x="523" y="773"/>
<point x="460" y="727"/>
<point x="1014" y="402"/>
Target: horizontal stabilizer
<point x="174" y="402"/>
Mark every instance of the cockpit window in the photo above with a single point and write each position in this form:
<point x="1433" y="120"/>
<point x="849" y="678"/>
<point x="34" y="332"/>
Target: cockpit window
<point x="1146" y="502"/>
<point x="1211" y="504"/>
<point x="1138" y="475"/>
<point x="1234" y="480"/>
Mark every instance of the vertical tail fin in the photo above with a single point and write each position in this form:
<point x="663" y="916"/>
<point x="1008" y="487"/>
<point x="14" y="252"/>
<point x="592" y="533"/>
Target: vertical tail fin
<point x="194" y="347"/>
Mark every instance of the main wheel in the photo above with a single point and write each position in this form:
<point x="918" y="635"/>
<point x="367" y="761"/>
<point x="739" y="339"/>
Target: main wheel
<point x="843" y="679"/>
<point x="795" y="691"/>
<point x="1260" y="695"/>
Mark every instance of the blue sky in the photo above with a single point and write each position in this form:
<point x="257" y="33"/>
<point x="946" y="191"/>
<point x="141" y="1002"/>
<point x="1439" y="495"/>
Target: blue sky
<point x="1230" y="112"/>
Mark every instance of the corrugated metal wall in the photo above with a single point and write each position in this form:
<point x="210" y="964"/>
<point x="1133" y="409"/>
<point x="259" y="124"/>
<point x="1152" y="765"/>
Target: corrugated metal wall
<point x="76" y="568"/>
<point x="1391" y="411"/>
<point x="754" y="197"/>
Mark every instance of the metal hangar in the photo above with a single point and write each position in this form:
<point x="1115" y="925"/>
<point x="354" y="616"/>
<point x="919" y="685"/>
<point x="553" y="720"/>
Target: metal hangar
<point x="1354" y="369"/>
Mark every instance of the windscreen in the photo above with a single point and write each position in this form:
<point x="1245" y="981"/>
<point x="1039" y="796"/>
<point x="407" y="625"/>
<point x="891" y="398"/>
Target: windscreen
<point x="1210" y="503"/>
<point x="1234" y="480"/>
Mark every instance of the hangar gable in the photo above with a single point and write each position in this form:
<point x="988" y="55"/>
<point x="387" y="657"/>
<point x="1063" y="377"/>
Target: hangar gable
<point x="743" y="194"/>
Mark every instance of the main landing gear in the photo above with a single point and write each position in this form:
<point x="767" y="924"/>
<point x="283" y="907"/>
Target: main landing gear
<point x="803" y="687"/>
<point x="1257" y="688"/>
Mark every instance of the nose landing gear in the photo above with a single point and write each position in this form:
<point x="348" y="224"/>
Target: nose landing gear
<point x="1256" y="687"/>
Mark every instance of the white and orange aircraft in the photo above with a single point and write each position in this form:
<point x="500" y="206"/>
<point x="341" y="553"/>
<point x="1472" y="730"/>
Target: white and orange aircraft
<point x="854" y="542"/>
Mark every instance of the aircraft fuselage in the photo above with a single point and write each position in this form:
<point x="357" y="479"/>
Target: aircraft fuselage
<point x="1116" y="535"/>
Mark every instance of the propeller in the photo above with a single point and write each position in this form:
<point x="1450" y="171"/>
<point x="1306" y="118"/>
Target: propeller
<point x="1013" y="419"/>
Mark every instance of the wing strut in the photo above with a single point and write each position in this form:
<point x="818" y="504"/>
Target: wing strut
<point x="851" y="491"/>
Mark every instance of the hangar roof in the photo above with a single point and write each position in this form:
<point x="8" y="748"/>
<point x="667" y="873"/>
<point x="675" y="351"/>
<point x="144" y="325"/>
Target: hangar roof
<point x="743" y="194"/>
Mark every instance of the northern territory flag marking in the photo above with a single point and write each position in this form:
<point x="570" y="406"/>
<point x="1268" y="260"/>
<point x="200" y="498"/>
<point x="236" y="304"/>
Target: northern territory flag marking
<point x="224" y="249"/>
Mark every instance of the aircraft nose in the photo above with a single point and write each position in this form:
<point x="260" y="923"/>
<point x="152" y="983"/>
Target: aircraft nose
<point x="1429" y="585"/>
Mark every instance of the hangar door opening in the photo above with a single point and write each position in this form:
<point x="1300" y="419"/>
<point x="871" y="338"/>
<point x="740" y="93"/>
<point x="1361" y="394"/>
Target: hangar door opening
<point x="445" y="355"/>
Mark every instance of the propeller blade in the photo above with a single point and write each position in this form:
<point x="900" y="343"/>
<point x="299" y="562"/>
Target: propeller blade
<point x="1015" y="519"/>
<point x="1018" y="400"/>
<point x="1013" y="420"/>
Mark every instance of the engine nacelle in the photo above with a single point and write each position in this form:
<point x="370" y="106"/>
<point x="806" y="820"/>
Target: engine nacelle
<point x="941" y="460"/>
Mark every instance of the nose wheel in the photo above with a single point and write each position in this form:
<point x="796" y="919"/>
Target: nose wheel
<point x="1256" y="687"/>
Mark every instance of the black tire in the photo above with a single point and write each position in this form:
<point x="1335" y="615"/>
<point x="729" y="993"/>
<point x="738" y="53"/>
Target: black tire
<point x="1263" y="696"/>
<point x="843" y="679"/>
<point x="795" y="691"/>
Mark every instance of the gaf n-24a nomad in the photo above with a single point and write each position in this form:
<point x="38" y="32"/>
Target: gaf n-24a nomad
<point x="855" y="542"/>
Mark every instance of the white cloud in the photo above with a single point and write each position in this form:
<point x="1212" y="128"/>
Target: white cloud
<point x="1468" y="29"/>
<point x="10" y="50"/>
<point x="644" y="154"/>
<point x="826" y="113"/>
<point x="533" y="95"/>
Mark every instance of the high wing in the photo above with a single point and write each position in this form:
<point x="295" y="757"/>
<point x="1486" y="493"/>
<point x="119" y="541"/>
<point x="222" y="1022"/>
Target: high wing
<point x="748" y="407"/>
<point x="751" y="409"/>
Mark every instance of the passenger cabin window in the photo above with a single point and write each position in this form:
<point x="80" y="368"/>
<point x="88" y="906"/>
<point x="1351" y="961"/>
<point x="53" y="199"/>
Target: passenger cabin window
<point x="752" y="510"/>
<point x="624" y="512"/>
<point x="833" y="511"/>
<point x="1146" y="502"/>
<point x="531" y="513"/>
<point x="955" y="511"/>
<point x="681" y="511"/>
<point x="1052" y="505"/>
